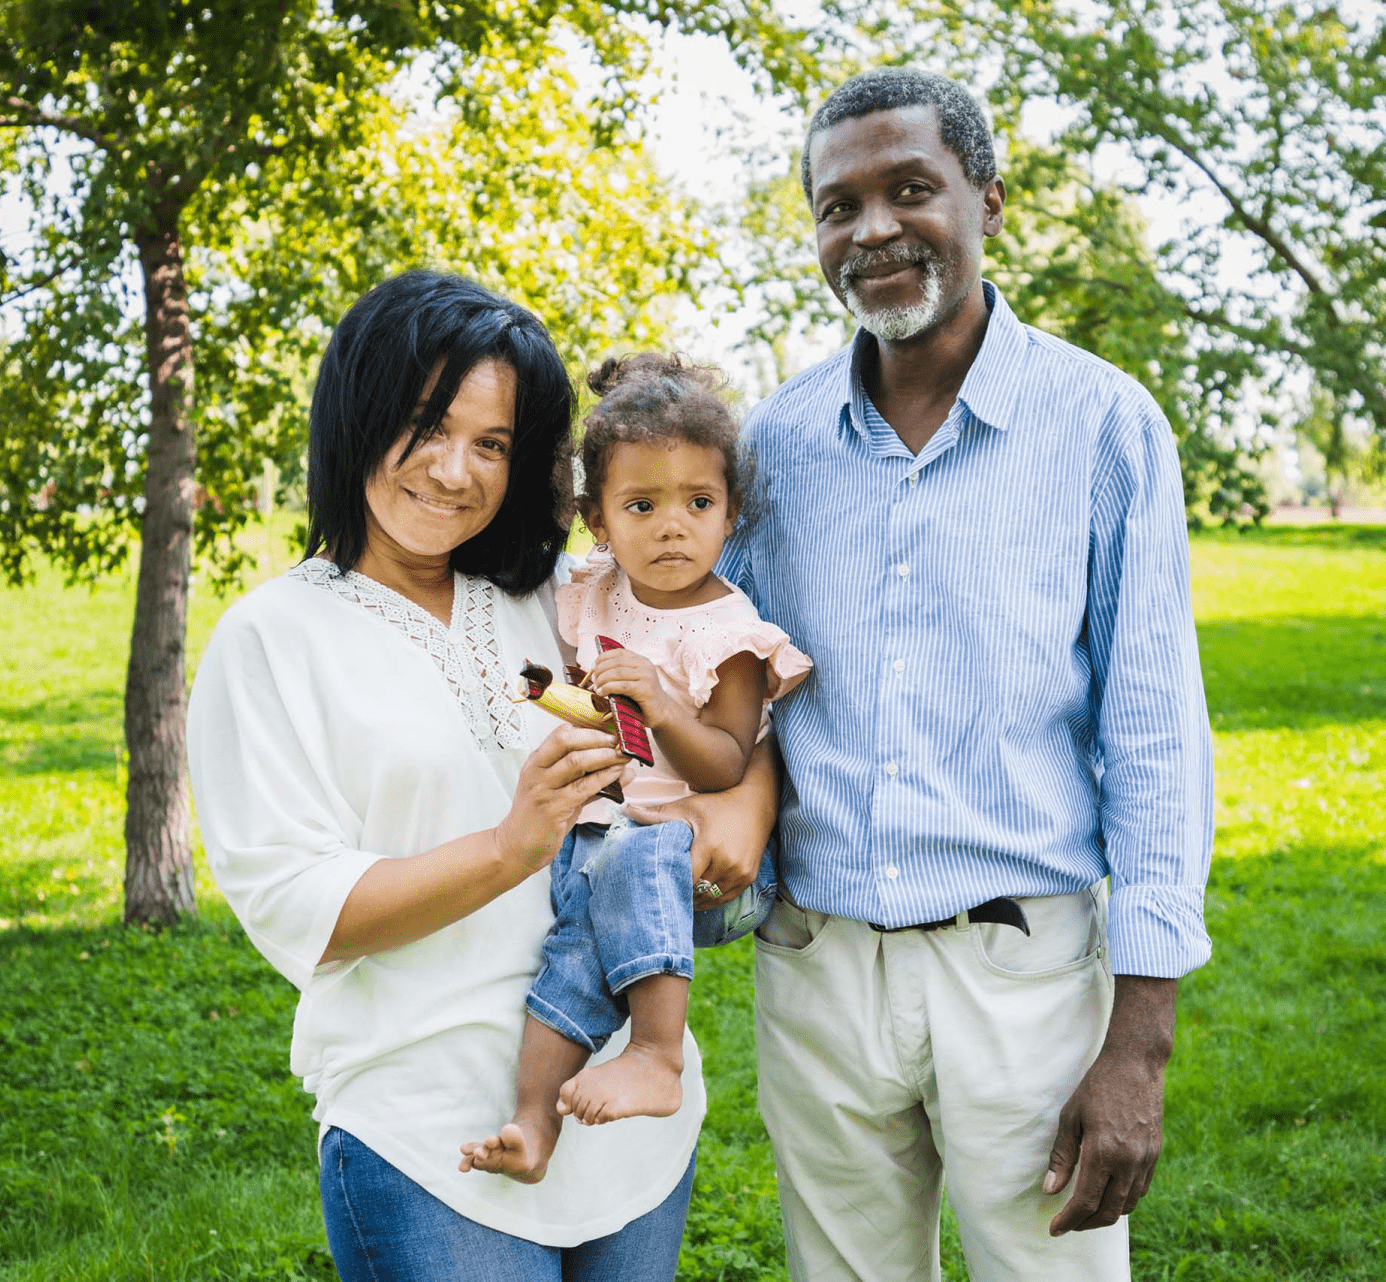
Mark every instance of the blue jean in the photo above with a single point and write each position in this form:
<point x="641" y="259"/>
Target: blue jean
<point x="623" y="909"/>
<point x="382" y="1227"/>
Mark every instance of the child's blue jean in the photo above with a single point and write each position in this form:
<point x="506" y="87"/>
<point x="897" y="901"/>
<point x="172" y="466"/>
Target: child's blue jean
<point x="623" y="908"/>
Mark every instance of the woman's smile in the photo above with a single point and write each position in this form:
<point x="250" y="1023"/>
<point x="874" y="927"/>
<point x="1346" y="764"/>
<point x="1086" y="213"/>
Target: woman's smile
<point x="432" y="501"/>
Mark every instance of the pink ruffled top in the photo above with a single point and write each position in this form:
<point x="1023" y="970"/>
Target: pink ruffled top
<point x="686" y="647"/>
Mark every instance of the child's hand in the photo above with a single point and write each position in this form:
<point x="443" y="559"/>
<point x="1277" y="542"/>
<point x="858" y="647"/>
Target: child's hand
<point x="633" y="675"/>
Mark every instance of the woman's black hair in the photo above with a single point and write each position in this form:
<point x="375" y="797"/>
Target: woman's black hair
<point x="651" y="398"/>
<point x="375" y="369"/>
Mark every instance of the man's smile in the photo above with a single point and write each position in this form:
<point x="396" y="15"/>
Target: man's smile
<point x="887" y="261"/>
<point x="884" y="271"/>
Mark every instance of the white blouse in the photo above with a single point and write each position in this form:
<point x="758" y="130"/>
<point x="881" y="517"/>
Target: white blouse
<point x="334" y="723"/>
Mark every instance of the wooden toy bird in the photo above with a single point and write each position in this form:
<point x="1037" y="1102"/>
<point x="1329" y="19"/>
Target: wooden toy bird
<point x="573" y="702"/>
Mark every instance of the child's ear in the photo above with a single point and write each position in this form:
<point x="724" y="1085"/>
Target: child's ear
<point x="592" y="518"/>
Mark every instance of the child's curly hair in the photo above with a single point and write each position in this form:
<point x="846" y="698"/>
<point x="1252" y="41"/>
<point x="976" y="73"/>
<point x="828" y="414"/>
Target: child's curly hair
<point x="650" y="398"/>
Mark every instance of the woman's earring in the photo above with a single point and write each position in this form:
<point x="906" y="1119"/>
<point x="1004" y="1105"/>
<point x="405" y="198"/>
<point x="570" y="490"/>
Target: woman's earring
<point x="602" y="547"/>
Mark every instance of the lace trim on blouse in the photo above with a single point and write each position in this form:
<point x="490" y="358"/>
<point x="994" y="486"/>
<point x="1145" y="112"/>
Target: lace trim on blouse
<point x="467" y="653"/>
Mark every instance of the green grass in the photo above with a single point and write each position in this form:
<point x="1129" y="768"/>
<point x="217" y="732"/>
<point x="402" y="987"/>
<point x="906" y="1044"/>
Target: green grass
<point x="149" y="1127"/>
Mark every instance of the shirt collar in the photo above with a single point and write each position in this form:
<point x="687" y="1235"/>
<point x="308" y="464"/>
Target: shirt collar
<point x="989" y="390"/>
<point x="997" y="374"/>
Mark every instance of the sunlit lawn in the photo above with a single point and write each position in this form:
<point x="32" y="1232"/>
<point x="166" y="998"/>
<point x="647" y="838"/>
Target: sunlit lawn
<point x="149" y="1127"/>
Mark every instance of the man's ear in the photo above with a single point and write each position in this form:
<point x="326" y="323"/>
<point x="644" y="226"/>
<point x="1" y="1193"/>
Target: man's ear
<point x="993" y="207"/>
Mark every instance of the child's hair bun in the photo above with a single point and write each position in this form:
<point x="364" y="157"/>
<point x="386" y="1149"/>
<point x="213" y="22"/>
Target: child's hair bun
<point x="615" y="370"/>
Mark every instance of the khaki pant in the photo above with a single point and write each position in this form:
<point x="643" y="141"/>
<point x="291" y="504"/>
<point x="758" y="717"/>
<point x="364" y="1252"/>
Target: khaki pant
<point x="890" y="1063"/>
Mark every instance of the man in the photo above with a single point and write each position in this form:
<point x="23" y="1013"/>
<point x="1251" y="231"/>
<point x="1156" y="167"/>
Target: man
<point x="977" y="532"/>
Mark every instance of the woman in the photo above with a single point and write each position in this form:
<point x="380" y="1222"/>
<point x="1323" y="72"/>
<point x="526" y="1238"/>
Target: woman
<point x="375" y="809"/>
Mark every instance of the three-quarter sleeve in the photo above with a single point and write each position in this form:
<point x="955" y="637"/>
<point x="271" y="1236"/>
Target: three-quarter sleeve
<point x="1153" y="739"/>
<point x="279" y="842"/>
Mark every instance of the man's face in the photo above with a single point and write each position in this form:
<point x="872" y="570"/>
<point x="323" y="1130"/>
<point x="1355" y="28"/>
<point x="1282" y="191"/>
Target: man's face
<point x="900" y="227"/>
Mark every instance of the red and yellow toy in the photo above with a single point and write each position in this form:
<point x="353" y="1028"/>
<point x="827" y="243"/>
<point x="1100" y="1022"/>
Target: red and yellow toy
<point x="573" y="702"/>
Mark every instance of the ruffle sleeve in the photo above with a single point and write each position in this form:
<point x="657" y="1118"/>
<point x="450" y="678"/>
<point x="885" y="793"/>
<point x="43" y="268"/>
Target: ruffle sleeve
<point x="700" y="656"/>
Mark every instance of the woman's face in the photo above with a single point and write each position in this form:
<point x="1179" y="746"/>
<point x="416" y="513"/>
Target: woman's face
<point x="451" y="487"/>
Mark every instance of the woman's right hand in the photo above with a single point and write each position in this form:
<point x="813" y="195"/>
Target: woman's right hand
<point x="397" y="901"/>
<point x="557" y="780"/>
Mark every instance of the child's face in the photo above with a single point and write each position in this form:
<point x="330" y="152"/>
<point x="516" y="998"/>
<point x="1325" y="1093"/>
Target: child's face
<point x="665" y="514"/>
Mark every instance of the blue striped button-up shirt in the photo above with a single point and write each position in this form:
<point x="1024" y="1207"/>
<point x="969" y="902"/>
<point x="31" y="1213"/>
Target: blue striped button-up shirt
<point x="1006" y="698"/>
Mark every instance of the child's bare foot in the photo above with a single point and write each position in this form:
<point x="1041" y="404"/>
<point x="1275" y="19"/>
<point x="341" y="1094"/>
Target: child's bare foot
<point x="642" y="1081"/>
<point x="521" y="1150"/>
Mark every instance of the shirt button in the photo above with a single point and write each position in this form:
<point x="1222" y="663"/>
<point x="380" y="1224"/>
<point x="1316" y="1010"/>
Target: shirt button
<point x="914" y="478"/>
<point x="892" y="872"/>
<point x="903" y="570"/>
<point x="898" y="665"/>
<point x="892" y="769"/>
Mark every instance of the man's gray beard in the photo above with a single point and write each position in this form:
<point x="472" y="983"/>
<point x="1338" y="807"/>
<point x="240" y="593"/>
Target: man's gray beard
<point x="895" y="323"/>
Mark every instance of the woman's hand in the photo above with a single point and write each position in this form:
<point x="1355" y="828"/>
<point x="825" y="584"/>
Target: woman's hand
<point x="558" y="779"/>
<point x="730" y="829"/>
<point x="397" y="901"/>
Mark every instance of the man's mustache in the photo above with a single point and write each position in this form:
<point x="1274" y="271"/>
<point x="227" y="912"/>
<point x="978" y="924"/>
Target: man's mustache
<point x="886" y="256"/>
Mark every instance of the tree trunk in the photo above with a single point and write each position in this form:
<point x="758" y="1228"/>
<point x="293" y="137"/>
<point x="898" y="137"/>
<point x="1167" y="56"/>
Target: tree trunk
<point x="158" y="849"/>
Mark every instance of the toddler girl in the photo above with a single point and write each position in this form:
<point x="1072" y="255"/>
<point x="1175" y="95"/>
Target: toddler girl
<point x="661" y="495"/>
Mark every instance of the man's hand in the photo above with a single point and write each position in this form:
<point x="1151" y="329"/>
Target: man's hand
<point x="730" y="829"/>
<point x="1112" y="1126"/>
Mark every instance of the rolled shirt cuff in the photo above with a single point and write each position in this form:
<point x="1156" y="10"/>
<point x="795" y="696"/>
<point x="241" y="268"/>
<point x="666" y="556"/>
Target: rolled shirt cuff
<point x="1157" y="931"/>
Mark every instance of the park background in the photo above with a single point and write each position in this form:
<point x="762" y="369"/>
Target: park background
<point x="190" y="195"/>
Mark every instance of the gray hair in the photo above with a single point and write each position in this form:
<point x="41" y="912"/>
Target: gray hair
<point x="961" y="125"/>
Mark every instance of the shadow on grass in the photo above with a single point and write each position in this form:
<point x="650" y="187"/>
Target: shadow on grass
<point x="61" y="734"/>
<point x="64" y="710"/>
<point x="140" y="1060"/>
<point x="1294" y="672"/>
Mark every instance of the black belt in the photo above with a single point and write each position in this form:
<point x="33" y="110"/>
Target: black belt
<point x="1005" y="912"/>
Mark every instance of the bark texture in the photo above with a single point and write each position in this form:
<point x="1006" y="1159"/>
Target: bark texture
<point x="158" y="851"/>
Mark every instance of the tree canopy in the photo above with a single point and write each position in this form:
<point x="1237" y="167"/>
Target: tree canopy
<point x="1269" y="113"/>
<point x="247" y="168"/>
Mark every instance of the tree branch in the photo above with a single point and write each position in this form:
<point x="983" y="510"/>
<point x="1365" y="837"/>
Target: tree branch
<point x="1256" y="225"/>
<point x="36" y="118"/>
<point x="33" y="286"/>
<point x="177" y="188"/>
<point x="1269" y="336"/>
